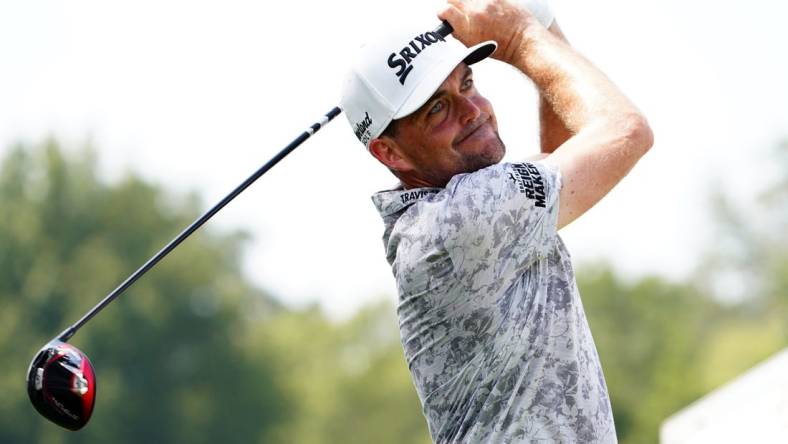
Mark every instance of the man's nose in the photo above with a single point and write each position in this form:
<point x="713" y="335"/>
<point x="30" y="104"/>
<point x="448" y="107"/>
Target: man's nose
<point x="469" y="111"/>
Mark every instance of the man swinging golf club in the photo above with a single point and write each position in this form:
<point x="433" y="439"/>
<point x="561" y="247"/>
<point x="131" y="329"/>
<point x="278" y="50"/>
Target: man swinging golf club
<point x="490" y="316"/>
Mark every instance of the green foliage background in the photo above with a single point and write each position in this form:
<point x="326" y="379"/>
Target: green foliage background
<point x="194" y="353"/>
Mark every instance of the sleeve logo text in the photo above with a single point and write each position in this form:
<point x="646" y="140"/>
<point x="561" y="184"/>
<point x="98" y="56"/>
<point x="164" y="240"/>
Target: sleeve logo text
<point x="529" y="181"/>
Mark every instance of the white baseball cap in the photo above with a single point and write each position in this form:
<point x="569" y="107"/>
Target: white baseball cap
<point x="395" y="75"/>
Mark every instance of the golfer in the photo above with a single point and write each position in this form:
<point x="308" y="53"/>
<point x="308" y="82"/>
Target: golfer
<point x="491" y="320"/>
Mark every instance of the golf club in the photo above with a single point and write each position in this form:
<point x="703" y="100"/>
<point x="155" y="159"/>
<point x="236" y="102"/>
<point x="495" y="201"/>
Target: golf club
<point x="61" y="382"/>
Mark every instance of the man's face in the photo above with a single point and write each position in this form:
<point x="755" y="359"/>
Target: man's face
<point x="454" y="132"/>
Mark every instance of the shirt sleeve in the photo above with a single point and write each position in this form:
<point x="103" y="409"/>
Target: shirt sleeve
<point x="500" y="219"/>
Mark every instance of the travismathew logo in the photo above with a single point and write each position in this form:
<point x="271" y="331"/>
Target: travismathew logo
<point x="362" y="129"/>
<point x="413" y="196"/>
<point x="403" y="63"/>
<point x="529" y="181"/>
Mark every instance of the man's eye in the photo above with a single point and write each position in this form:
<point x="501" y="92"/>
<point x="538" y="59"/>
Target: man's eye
<point x="436" y="108"/>
<point x="468" y="83"/>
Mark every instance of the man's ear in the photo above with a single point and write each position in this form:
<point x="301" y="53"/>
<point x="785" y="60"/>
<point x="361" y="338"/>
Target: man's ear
<point x="388" y="152"/>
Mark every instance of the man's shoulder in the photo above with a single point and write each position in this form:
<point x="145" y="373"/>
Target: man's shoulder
<point x="514" y="172"/>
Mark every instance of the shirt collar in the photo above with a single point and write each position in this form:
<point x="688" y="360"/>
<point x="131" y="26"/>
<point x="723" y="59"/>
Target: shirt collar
<point x="397" y="199"/>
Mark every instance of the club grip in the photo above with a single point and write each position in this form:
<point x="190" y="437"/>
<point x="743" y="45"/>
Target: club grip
<point x="444" y="29"/>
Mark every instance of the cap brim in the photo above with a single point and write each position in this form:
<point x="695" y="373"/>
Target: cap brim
<point x="427" y="87"/>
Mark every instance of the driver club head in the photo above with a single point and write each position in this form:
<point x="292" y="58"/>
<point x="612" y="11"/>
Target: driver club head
<point x="61" y="384"/>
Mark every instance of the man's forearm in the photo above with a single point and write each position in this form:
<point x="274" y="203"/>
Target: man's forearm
<point x="575" y="89"/>
<point x="552" y="131"/>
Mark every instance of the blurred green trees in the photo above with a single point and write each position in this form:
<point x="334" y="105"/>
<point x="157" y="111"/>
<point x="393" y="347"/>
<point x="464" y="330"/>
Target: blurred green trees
<point x="350" y="380"/>
<point x="193" y="353"/>
<point x="171" y="367"/>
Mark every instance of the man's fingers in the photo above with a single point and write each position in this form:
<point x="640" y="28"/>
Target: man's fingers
<point x="458" y="3"/>
<point x="452" y="14"/>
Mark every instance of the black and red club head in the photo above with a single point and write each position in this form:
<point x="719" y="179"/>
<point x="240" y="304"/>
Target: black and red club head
<point x="61" y="384"/>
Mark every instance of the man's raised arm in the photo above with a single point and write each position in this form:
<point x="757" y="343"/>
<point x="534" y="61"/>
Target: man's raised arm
<point x="552" y="131"/>
<point x="609" y="133"/>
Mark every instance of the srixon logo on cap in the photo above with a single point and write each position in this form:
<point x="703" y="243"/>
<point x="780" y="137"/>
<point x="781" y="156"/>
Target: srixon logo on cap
<point x="403" y="63"/>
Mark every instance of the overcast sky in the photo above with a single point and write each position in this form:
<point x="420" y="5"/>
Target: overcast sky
<point x="196" y="95"/>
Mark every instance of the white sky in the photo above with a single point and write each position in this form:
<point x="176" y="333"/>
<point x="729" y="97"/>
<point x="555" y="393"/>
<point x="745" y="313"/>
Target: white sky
<point x="199" y="94"/>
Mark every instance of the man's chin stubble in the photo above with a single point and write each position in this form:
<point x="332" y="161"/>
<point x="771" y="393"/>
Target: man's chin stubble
<point x="487" y="158"/>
